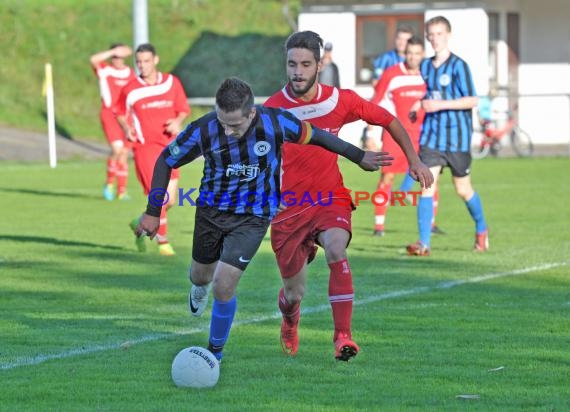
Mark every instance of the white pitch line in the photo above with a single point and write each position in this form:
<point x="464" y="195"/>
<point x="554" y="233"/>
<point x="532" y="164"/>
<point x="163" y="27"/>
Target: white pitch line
<point x="34" y="360"/>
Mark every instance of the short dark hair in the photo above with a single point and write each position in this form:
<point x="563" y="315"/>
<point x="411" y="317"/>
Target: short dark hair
<point x="415" y="41"/>
<point x="234" y="94"/>
<point x="146" y="47"/>
<point x="405" y="29"/>
<point x="113" y="45"/>
<point x="305" y="40"/>
<point x="438" y="20"/>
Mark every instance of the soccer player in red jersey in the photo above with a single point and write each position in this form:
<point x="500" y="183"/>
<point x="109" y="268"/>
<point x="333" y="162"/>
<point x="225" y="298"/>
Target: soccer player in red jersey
<point x="113" y="77"/>
<point x="297" y="229"/>
<point x="157" y="104"/>
<point x="398" y="90"/>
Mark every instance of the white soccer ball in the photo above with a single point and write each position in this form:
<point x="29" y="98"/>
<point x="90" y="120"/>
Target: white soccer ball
<point x="195" y="367"/>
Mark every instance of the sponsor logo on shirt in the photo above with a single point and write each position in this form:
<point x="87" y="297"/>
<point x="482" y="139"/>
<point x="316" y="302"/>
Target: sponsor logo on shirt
<point x="158" y="104"/>
<point x="246" y="172"/>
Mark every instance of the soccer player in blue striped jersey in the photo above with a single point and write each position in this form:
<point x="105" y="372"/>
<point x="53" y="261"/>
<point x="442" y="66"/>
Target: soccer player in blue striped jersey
<point x="445" y="140"/>
<point x="394" y="56"/>
<point x="239" y="191"/>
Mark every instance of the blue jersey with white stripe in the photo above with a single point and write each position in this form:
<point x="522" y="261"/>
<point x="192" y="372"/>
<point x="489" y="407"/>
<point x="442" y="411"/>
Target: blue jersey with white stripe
<point x="240" y="176"/>
<point x="386" y="60"/>
<point x="447" y="130"/>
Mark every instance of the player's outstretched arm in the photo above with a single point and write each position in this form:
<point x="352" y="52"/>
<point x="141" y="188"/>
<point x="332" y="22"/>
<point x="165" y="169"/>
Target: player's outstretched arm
<point x="462" y="103"/>
<point x="373" y="160"/>
<point x="367" y="160"/>
<point x="418" y="170"/>
<point x="148" y="226"/>
<point x="422" y="174"/>
<point x="174" y="126"/>
<point x="150" y="220"/>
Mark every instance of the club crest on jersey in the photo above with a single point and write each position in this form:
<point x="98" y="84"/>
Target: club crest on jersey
<point x="444" y="79"/>
<point x="261" y="148"/>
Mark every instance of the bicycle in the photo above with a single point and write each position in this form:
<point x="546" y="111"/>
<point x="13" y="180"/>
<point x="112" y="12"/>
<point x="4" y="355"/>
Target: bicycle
<point x="491" y="137"/>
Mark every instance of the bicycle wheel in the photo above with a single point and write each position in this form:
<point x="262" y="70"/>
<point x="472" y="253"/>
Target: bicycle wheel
<point x="520" y="140"/>
<point x="481" y="151"/>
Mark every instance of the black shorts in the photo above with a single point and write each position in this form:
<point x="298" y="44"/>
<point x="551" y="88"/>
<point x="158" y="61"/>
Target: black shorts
<point x="230" y="238"/>
<point x="458" y="162"/>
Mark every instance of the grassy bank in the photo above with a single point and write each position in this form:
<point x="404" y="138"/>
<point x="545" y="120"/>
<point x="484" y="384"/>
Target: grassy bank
<point x="66" y="32"/>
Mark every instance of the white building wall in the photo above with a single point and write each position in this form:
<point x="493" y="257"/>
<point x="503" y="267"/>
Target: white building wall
<point x="544" y="71"/>
<point x="340" y="30"/>
<point x="469" y="40"/>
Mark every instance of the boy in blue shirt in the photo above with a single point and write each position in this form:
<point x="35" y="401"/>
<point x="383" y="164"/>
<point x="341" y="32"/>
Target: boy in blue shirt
<point x="446" y="133"/>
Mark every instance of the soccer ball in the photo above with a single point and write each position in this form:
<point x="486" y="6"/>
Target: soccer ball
<point x="195" y="367"/>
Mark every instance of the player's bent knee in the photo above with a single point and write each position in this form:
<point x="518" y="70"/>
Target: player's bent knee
<point x="294" y="294"/>
<point x="464" y="192"/>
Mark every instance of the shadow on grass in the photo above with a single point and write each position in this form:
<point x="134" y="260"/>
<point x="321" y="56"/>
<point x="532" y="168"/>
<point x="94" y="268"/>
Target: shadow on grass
<point x="57" y="242"/>
<point x="37" y="192"/>
<point x="62" y="132"/>
<point x="59" y="129"/>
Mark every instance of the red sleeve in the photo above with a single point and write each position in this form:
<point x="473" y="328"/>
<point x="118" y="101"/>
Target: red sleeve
<point x="120" y="108"/>
<point x="274" y="101"/>
<point x="381" y="88"/>
<point x="180" y="100"/>
<point x="99" y="66"/>
<point x="359" y="108"/>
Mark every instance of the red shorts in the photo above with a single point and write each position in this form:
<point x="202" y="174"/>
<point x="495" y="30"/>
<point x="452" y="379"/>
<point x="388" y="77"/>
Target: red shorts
<point x="294" y="239"/>
<point x="400" y="163"/>
<point x="145" y="159"/>
<point x="112" y="129"/>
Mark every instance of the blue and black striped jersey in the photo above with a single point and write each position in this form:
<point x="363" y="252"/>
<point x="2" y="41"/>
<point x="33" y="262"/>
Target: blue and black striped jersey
<point x="240" y="175"/>
<point x="448" y="130"/>
<point x="386" y="60"/>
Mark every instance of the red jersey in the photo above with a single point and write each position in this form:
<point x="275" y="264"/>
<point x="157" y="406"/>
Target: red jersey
<point x="150" y="106"/>
<point x="311" y="169"/>
<point x="111" y="82"/>
<point x="397" y="91"/>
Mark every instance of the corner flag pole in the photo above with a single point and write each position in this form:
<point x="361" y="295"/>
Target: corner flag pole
<point x="48" y="93"/>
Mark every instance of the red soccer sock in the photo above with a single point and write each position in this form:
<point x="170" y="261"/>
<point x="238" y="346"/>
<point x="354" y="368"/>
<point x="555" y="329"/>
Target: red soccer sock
<point x="435" y="204"/>
<point x="381" y="205"/>
<point x="163" y="228"/>
<point x="122" y="175"/>
<point x="111" y="171"/>
<point x="341" y="296"/>
<point x="291" y="312"/>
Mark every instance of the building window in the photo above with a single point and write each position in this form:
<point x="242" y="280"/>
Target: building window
<point x="375" y="35"/>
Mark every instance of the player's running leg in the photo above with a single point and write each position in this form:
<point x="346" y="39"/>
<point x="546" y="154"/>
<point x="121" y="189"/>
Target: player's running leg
<point x="407" y="183"/>
<point x="435" y="228"/>
<point x="291" y="315"/>
<point x="341" y="292"/>
<point x="425" y="217"/>
<point x="381" y="201"/>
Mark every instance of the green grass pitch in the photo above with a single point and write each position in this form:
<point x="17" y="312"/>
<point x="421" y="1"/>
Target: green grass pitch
<point x="87" y="323"/>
